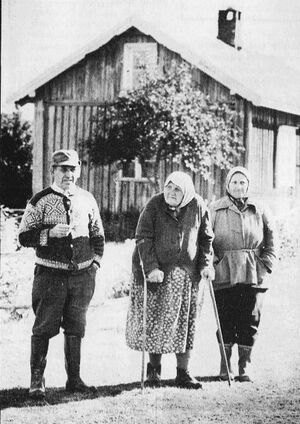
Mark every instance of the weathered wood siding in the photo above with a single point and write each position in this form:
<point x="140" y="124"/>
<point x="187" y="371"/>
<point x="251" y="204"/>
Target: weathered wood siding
<point x="71" y="100"/>
<point x="262" y="154"/>
<point x="66" y="104"/>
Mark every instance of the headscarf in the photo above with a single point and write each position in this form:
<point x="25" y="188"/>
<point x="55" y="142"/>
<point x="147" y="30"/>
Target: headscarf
<point x="184" y="181"/>
<point x="240" y="203"/>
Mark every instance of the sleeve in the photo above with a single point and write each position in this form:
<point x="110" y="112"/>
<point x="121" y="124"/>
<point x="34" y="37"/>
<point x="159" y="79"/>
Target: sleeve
<point x="270" y="245"/>
<point x="205" y="239"/>
<point x="145" y="235"/>
<point x="32" y="231"/>
<point x="96" y="232"/>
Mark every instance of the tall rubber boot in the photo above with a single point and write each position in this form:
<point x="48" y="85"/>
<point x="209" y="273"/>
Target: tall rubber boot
<point x="244" y="363"/>
<point x="72" y="365"/>
<point x="223" y="371"/>
<point x="39" y="349"/>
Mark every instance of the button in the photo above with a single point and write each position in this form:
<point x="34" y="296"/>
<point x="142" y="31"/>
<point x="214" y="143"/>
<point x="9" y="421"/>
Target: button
<point x="71" y="245"/>
<point x="73" y="266"/>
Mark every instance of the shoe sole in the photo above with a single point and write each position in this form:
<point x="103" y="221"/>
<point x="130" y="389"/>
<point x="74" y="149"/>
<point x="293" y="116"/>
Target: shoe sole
<point x="188" y="386"/>
<point x="37" y="395"/>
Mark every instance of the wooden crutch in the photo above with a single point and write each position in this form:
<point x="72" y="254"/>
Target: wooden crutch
<point x="212" y="295"/>
<point x="144" y="319"/>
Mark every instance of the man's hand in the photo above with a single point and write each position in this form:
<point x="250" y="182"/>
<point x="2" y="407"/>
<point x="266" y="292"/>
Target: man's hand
<point x="95" y="265"/>
<point x="156" y="276"/>
<point x="59" y="231"/>
<point x="208" y="273"/>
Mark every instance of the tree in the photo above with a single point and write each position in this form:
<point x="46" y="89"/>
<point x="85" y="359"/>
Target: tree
<point x="167" y="115"/>
<point x="15" y="161"/>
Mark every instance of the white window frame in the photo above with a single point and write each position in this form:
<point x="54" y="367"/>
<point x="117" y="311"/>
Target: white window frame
<point x="130" y="49"/>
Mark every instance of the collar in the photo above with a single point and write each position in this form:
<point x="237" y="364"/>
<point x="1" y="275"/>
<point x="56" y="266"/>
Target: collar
<point x="226" y="203"/>
<point x="67" y="193"/>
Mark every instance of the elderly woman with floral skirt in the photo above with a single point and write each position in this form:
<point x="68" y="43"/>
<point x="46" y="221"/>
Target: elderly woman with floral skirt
<point x="244" y="254"/>
<point x="174" y="238"/>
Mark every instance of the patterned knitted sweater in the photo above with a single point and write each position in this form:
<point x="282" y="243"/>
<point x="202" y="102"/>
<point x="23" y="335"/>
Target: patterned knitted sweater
<point x="81" y="247"/>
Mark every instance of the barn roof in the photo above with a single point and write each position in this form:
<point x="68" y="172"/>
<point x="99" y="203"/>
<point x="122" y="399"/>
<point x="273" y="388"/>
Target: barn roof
<point x="264" y="80"/>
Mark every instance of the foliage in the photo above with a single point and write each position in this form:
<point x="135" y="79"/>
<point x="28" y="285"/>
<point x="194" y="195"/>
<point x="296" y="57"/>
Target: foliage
<point x="167" y="115"/>
<point x="289" y="241"/>
<point x="15" y="161"/>
<point x="120" y="226"/>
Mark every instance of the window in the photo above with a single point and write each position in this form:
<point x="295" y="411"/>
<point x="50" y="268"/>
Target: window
<point x="137" y="171"/>
<point x="137" y="58"/>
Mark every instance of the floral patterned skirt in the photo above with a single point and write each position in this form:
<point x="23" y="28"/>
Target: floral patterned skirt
<point x="171" y="315"/>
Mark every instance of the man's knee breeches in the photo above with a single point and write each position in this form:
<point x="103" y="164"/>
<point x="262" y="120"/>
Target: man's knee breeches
<point x="61" y="299"/>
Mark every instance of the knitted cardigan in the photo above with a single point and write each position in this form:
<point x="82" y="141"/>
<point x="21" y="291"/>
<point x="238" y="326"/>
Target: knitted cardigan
<point x="81" y="247"/>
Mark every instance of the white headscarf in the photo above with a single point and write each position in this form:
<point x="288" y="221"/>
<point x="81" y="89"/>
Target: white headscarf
<point x="235" y="170"/>
<point x="184" y="181"/>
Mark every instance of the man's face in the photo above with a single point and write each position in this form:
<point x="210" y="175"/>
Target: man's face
<point x="65" y="176"/>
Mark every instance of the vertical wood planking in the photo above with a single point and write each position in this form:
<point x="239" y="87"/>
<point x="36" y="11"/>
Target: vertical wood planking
<point x="73" y="127"/>
<point x="105" y="193"/>
<point x="58" y="127"/>
<point x="85" y="135"/>
<point x="38" y="150"/>
<point x="65" y="128"/>
<point x="109" y="188"/>
<point x="46" y="150"/>
<point x="51" y="129"/>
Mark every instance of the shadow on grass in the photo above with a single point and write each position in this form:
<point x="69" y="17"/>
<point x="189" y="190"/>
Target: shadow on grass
<point x="18" y="397"/>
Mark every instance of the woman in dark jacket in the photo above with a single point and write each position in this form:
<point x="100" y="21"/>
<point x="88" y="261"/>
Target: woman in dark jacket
<point x="174" y="238"/>
<point x="244" y="248"/>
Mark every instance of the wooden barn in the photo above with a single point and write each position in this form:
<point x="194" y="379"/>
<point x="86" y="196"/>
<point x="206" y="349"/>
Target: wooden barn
<point x="265" y="92"/>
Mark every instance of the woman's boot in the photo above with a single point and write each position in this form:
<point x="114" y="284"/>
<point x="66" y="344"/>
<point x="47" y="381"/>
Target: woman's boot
<point x="153" y="375"/>
<point x="154" y="370"/>
<point x="183" y="378"/>
<point x="223" y="371"/>
<point x="244" y="363"/>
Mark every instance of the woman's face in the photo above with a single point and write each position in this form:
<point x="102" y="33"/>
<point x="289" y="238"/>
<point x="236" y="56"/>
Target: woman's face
<point x="238" y="185"/>
<point x="173" y="194"/>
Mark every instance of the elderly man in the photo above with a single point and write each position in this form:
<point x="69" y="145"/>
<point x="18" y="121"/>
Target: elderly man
<point x="63" y="224"/>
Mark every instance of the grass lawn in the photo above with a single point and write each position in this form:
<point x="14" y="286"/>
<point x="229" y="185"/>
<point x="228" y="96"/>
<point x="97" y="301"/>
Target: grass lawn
<point x="115" y="370"/>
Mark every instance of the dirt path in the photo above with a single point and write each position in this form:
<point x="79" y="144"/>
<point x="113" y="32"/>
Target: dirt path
<point x="107" y="363"/>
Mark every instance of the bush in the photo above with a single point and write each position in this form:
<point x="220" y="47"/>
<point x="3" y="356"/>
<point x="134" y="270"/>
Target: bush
<point x="15" y="161"/>
<point x="119" y="227"/>
<point x="289" y="240"/>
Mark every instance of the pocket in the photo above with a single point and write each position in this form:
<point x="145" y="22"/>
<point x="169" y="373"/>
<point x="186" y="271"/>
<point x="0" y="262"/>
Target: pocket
<point x="260" y="269"/>
<point x="222" y="270"/>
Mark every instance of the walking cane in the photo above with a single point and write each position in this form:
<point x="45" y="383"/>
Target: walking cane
<point x="212" y="294"/>
<point x="144" y="320"/>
